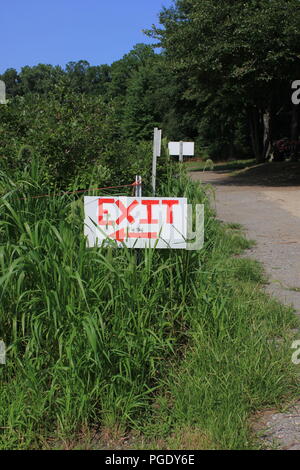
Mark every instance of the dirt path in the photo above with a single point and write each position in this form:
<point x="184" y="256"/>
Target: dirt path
<point x="271" y="216"/>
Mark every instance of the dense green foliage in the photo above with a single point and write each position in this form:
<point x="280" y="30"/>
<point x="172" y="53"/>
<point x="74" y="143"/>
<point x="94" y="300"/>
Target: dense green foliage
<point x="223" y="77"/>
<point x="241" y="58"/>
<point x="75" y="135"/>
<point x="84" y="119"/>
<point x="96" y="339"/>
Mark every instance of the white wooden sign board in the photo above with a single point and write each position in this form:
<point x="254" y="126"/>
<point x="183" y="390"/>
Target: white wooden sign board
<point x="136" y="222"/>
<point x="157" y="143"/>
<point x="2" y="92"/>
<point x="188" y="148"/>
<point x="156" y="153"/>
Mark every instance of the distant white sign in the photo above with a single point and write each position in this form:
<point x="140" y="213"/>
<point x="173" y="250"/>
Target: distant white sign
<point x="2" y="92"/>
<point x="187" y="147"/>
<point x="2" y="352"/>
<point x="136" y="222"/>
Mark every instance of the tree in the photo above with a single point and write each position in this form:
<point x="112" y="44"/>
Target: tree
<point x="39" y="79"/>
<point x="123" y="69"/>
<point x="11" y="79"/>
<point x="243" y="51"/>
<point x="84" y="78"/>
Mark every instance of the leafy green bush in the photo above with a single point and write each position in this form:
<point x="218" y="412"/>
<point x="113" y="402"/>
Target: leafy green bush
<point x="77" y="136"/>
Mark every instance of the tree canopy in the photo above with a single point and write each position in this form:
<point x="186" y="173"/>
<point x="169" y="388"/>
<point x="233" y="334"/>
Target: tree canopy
<point x="240" y="58"/>
<point x="222" y="77"/>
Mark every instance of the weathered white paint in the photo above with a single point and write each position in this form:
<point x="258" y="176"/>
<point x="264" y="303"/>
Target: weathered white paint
<point x="136" y="222"/>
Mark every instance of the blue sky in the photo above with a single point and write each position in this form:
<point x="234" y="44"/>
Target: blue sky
<point x="59" y="31"/>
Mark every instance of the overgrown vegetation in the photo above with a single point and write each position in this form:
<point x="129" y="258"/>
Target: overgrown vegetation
<point x="223" y="78"/>
<point x="172" y="348"/>
<point x="96" y="340"/>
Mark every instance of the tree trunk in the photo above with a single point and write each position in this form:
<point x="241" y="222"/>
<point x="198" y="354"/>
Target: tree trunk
<point x="267" y="135"/>
<point x="255" y="119"/>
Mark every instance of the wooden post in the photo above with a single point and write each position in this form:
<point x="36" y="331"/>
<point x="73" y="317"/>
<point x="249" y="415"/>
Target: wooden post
<point x="154" y="162"/>
<point x="181" y="152"/>
<point x="138" y="193"/>
<point x="138" y="188"/>
<point x="156" y="153"/>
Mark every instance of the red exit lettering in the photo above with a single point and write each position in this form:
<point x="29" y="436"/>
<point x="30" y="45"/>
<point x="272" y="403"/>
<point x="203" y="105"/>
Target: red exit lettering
<point x="126" y="211"/>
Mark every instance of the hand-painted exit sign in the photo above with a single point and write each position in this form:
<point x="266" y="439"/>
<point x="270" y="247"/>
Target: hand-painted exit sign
<point x="136" y="222"/>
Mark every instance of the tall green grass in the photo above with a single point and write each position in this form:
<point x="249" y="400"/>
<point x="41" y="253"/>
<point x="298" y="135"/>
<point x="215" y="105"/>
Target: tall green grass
<point x="238" y="359"/>
<point x="88" y="330"/>
<point x="95" y="339"/>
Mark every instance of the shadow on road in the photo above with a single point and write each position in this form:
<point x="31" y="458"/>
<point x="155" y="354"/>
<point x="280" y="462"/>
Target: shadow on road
<point x="266" y="174"/>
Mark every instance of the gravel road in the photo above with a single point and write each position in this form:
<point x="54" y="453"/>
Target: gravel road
<point x="271" y="216"/>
